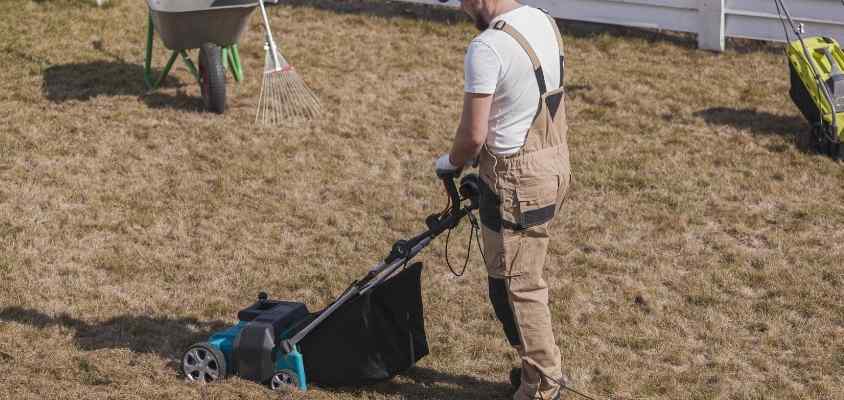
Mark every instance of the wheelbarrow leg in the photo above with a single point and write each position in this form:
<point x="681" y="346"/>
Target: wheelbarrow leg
<point x="148" y="79"/>
<point x="231" y="58"/>
<point x="166" y="70"/>
<point x="154" y="83"/>
<point x="189" y="64"/>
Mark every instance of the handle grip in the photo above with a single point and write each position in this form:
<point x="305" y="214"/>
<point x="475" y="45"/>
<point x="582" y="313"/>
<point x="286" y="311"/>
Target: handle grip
<point x="835" y="70"/>
<point x="450" y="188"/>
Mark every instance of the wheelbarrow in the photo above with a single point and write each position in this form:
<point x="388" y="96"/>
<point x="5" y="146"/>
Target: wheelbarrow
<point x="212" y="26"/>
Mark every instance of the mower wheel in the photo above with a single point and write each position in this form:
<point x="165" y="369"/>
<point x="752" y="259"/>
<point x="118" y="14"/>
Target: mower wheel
<point x="212" y="78"/>
<point x="203" y="363"/>
<point x="284" y="380"/>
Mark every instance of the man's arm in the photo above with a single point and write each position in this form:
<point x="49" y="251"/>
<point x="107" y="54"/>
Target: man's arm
<point x="473" y="129"/>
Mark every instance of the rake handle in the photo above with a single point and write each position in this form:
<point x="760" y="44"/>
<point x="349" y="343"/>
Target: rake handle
<point x="270" y="41"/>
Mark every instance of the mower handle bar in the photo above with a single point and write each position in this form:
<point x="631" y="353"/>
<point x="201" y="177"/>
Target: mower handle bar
<point x="411" y="248"/>
<point x="403" y="250"/>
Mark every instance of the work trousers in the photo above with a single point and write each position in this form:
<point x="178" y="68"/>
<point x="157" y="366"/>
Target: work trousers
<point x="519" y="198"/>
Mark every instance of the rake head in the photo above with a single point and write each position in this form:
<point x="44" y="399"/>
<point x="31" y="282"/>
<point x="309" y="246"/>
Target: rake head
<point x="284" y="95"/>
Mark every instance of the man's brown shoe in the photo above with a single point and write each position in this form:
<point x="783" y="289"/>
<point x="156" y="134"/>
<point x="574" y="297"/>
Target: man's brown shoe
<point x="516" y="380"/>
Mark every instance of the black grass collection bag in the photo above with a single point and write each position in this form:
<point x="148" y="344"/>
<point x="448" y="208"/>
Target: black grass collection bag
<point x="372" y="337"/>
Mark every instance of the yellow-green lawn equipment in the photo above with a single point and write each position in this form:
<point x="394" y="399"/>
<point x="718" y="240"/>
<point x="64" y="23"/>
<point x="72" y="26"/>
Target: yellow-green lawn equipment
<point x="807" y="92"/>
<point x="816" y="66"/>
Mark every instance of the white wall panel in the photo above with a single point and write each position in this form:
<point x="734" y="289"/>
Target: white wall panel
<point x="758" y="19"/>
<point x="662" y="14"/>
<point x="712" y="20"/>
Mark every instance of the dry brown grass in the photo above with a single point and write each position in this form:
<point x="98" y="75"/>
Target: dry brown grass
<point x="699" y="255"/>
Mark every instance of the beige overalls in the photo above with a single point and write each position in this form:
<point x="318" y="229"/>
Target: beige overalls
<point x="520" y="194"/>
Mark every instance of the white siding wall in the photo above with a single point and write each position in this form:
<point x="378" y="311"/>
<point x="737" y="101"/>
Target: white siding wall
<point x="711" y="20"/>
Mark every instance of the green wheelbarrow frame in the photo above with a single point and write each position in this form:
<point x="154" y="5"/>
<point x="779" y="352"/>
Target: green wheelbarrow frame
<point x="231" y="61"/>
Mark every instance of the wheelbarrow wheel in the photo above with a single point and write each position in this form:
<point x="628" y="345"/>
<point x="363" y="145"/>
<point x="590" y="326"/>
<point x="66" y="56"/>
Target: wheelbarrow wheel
<point x="212" y="78"/>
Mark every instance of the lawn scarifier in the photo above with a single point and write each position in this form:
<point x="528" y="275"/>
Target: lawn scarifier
<point x="817" y="87"/>
<point x="356" y="339"/>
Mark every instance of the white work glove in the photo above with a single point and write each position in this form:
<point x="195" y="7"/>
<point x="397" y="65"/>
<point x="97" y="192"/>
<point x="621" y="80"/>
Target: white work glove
<point x="444" y="165"/>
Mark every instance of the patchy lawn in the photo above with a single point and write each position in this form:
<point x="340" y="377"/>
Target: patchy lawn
<point x="698" y="256"/>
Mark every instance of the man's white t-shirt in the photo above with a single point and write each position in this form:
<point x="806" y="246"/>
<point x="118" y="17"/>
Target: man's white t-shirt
<point x="496" y="64"/>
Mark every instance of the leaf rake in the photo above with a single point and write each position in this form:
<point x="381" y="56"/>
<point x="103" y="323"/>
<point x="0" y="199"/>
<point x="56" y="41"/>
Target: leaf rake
<point x="284" y="94"/>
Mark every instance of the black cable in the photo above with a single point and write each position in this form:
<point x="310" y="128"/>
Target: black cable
<point x="476" y="228"/>
<point x="563" y="385"/>
<point x="468" y="252"/>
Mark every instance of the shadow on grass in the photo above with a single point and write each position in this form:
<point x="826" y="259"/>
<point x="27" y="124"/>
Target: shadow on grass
<point x="758" y="122"/>
<point x="748" y="46"/>
<point x="426" y="383"/>
<point x="83" y="81"/>
<point x="179" y="101"/>
<point x="167" y="337"/>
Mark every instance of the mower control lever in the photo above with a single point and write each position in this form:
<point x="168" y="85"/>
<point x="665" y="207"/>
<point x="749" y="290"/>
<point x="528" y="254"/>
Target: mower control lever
<point x="469" y="190"/>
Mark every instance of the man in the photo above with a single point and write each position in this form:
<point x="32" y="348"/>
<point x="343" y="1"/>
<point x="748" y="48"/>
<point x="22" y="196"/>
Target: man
<point x="514" y="124"/>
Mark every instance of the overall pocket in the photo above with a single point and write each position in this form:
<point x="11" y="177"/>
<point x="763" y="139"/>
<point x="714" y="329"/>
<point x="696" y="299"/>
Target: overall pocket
<point x="537" y="201"/>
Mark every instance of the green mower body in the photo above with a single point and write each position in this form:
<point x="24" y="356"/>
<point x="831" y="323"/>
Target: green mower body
<point x="826" y="56"/>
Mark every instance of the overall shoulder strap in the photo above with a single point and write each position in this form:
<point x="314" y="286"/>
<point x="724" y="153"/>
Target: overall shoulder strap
<point x="560" y="44"/>
<point x="534" y="59"/>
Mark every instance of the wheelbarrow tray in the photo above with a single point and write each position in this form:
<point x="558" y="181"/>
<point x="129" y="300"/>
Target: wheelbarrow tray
<point x="188" y="24"/>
